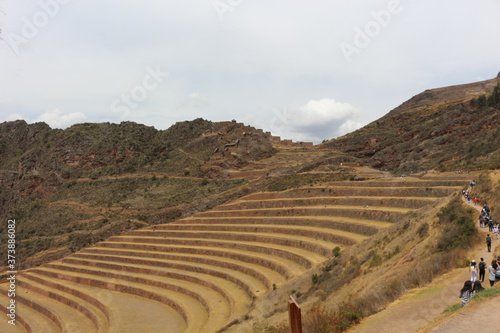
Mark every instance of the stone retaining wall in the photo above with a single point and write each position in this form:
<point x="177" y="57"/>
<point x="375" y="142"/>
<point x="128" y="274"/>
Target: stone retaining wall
<point x="326" y="201"/>
<point x="87" y="298"/>
<point x="112" y="286"/>
<point x="361" y="229"/>
<point x="63" y="300"/>
<point x="205" y="243"/>
<point x="365" y="213"/>
<point x="213" y="252"/>
<point x="42" y="310"/>
<point x="167" y="236"/>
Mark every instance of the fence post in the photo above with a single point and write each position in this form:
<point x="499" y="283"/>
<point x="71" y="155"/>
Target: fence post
<point x="294" y="316"/>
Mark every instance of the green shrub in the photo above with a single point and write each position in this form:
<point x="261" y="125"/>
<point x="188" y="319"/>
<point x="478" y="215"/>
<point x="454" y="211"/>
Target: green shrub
<point x="459" y="230"/>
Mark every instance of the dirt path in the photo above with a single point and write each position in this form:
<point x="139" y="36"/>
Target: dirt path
<point x="422" y="305"/>
<point x="481" y="318"/>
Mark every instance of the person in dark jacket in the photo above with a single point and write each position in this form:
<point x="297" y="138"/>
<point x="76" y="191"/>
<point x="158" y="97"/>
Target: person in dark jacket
<point x="482" y="269"/>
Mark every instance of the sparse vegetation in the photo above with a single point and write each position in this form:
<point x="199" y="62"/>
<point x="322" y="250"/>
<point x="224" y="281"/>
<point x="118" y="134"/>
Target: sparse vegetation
<point x="459" y="230"/>
<point x="302" y="179"/>
<point x="444" y="135"/>
<point x="282" y="328"/>
<point x="319" y="320"/>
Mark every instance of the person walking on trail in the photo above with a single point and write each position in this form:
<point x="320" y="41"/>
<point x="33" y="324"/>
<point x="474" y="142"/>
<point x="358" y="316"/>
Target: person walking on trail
<point x="473" y="271"/>
<point x="487" y="210"/>
<point x="482" y="269"/>
<point x="466" y="293"/>
<point x="492" y="270"/>
<point x="488" y="242"/>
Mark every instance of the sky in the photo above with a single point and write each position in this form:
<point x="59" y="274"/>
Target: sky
<point x="303" y="70"/>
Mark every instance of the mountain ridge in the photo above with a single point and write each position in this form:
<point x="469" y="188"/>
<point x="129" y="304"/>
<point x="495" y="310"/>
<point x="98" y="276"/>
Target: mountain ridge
<point x="446" y="128"/>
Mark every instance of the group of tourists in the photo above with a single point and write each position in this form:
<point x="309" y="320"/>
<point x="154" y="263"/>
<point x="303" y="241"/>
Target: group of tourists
<point x="493" y="271"/>
<point x="478" y="271"/>
<point x="485" y="217"/>
<point x="474" y="285"/>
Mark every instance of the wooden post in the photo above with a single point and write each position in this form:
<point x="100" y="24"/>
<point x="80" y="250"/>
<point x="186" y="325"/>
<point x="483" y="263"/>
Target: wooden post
<point x="294" y="316"/>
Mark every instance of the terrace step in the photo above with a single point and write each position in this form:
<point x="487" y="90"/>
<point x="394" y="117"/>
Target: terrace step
<point x="404" y="182"/>
<point x="31" y="320"/>
<point x="236" y="296"/>
<point x="310" y="250"/>
<point x="361" y="190"/>
<point x="299" y="256"/>
<point x="122" y="308"/>
<point x="385" y="214"/>
<point x="354" y="225"/>
<point x="138" y="314"/>
<point x="95" y="315"/>
<point x="66" y="318"/>
<point x="215" y="301"/>
<point x="322" y="247"/>
<point x="102" y="312"/>
<point x="252" y="285"/>
<point x="360" y="201"/>
<point x="400" y="210"/>
<point x="262" y="273"/>
<point x="284" y="266"/>
<point x="165" y="274"/>
<point x="326" y="234"/>
<point x="191" y="310"/>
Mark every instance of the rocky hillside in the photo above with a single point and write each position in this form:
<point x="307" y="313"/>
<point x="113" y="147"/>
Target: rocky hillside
<point x="448" y="128"/>
<point x="74" y="187"/>
<point x="109" y="149"/>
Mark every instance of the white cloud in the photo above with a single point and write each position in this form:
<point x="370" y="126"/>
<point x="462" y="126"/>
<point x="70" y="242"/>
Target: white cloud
<point x="325" y="110"/>
<point x="349" y="126"/>
<point x="56" y="119"/>
<point x="316" y="120"/>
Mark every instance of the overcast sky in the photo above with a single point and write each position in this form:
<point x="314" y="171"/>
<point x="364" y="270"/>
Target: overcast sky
<point x="304" y="70"/>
